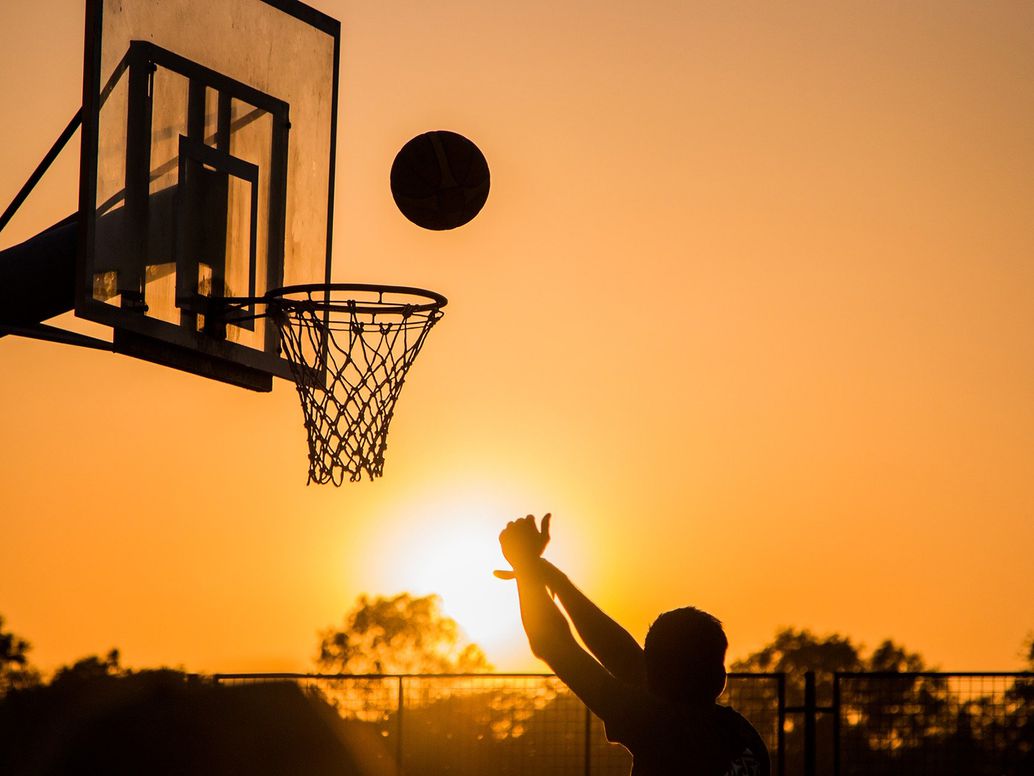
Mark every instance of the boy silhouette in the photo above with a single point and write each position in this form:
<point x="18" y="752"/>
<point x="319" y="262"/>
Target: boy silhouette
<point x="658" y="701"/>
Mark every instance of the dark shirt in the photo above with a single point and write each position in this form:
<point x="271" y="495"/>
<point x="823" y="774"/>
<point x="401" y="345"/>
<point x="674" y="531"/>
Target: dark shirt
<point x="669" y="739"/>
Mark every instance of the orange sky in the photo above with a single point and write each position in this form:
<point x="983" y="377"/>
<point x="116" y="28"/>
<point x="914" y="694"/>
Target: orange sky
<point x="749" y="309"/>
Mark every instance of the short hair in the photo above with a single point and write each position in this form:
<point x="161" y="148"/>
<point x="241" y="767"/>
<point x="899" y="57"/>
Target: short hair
<point x="685" y="656"/>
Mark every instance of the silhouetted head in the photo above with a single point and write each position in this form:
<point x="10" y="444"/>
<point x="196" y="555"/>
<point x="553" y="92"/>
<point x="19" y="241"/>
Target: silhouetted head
<point x="685" y="656"/>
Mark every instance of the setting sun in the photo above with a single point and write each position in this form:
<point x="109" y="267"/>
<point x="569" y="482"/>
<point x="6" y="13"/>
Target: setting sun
<point x="453" y="555"/>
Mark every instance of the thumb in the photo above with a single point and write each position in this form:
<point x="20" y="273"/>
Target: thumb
<point x="545" y="525"/>
<point x="499" y="574"/>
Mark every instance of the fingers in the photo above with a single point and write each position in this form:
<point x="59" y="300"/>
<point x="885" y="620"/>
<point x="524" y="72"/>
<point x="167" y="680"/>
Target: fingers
<point x="528" y="524"/>
<point x="522" y="537"/>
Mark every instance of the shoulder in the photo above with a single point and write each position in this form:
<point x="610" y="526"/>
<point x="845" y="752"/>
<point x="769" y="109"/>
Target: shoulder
<point x="745" y="745"/>
<point x="729" y="717"/>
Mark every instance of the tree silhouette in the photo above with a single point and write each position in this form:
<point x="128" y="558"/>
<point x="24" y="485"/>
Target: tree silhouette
<point x="15" y="670"/>
<point x="95" y="717"/>
<point x="1019" y="736"/>
<point x="404" y="634"/>
<point x="796" y="652"/>
<point x="889" y="656"/>
<point x="89" y="669"/>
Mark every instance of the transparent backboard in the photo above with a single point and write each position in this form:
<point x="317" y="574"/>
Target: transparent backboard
<point x="207" y="173"/>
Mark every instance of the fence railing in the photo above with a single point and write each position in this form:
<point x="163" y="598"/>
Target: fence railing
<point x="846" y="724"/>
<point x="505" y="724"/>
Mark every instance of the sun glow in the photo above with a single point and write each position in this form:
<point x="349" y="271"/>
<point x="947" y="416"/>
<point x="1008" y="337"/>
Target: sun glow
<point x="453" y="556"/>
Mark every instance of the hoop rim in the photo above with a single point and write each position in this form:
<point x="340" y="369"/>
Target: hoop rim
<point x="279" y="297"/>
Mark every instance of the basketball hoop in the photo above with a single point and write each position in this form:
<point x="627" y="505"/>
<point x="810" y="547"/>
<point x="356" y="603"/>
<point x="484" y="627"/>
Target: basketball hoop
<point x="350" y="347"/>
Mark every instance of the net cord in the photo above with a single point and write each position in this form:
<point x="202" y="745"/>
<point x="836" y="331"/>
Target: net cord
<point x="365" y="350"/>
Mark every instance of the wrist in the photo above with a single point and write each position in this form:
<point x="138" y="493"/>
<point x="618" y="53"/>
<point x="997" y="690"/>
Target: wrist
<point x="554" y="576"/>
<point x="529" y="568"/>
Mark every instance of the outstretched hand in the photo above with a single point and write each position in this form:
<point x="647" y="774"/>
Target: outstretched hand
<point x="522" y="543"/>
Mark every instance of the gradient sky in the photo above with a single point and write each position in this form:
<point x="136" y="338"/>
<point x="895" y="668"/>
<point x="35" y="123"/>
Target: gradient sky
<point x="749" y="309"/>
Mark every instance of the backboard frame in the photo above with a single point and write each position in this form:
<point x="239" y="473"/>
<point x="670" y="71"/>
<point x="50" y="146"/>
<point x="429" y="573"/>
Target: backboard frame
<point x="194" y="349"/>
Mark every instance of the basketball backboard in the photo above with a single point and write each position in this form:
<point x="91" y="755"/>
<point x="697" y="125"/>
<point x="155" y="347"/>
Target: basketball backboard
<point x="207" y="171"/>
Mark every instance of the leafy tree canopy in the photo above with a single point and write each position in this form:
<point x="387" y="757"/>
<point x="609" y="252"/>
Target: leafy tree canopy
<point x="15" y="670"/>
<point x="799" y="651"/>
<point x="90" y="669"/>
<point x="405" y="634"/>
<point x="889" y="656"/>
<point x="796" y="652"/>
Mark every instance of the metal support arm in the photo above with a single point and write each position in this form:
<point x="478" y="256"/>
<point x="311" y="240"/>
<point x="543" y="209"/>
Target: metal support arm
<point x="42" y="168"/>
<point x="42" y="331"/>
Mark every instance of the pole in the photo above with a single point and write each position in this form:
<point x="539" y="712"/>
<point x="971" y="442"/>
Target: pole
<point x="398" y="731"/>
<point x="781" y="733"/>
<point x="809" y="723"/>
<point x="836" y="724"/>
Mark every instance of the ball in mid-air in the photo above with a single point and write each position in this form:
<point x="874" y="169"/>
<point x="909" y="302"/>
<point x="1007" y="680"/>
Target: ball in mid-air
<point x="440" y="180"/>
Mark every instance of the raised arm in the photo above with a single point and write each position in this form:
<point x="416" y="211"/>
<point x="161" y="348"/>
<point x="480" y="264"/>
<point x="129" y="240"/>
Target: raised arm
<point x="549" y="634"/>
<point x="612" y="645"/>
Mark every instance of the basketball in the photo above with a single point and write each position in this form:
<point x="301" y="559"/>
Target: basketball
<point x="440" y="180"/>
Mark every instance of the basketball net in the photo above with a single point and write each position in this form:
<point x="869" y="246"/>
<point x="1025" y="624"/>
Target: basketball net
<point x="364" y="339"/>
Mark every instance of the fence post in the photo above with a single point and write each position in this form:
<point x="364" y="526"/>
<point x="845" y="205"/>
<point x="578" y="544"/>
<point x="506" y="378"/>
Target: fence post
<point x="836" y="724"/>
<point x="809" y="723"/>
<point x="398" y="731"/>
<point x="781" y="733"/>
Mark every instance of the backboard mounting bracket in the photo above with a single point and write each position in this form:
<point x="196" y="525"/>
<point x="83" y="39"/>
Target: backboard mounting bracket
<point x="42" y="168"/>
<point x="42" y="331"/>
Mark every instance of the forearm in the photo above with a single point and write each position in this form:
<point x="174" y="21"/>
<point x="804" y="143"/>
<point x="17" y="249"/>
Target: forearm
<point x="546" y="627"/>
<point x="549" y="634"/>
<point x="551" y="640"/>
<point x="613" y="646"/>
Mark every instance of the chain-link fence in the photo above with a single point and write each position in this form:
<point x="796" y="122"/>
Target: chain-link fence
<point x="921" y="724"/>
<point x="505" y="724"/>
<point x="977" y="724"/>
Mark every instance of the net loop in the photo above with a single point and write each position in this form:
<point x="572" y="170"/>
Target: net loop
<point x="350" y="348"/>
